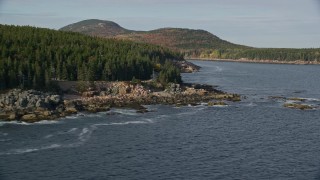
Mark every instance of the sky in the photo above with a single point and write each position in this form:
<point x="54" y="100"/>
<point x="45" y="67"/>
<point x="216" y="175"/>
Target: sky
<point x="257" y="23"/>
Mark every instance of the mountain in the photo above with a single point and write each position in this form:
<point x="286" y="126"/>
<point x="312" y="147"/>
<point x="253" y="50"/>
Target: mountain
<point x="95" y="27"/>
<point x="174" y="38"/>
<point x="193" y="43"/>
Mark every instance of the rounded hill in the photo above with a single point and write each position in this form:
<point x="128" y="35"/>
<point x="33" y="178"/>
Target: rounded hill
<point x="174" y="38"/>
<point x="95" y="27"/>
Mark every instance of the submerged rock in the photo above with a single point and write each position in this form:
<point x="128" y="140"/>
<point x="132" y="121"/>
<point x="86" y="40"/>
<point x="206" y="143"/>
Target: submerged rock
<point x="218" y="103"/>
<point x="298" y="106"/>
<point x="297" y="99"/>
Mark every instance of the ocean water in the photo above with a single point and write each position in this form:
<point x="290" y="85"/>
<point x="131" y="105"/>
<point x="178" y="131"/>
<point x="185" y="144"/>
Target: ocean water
<point x="256" y="138"/>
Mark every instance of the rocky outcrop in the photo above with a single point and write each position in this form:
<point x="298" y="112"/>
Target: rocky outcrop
<point x="18" y="99"/>
<point x="298" y="106"/>
<point x="31" y="105"/>
<point x="187" y="67"/>
<point x="297" y="102"/>
<point x="217" y="103"/>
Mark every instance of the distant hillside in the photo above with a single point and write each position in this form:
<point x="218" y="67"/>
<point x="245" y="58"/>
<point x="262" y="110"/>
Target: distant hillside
<point x="180" y="39"/>
<point x="192" y="43"/>
<point x="174" y="38"/>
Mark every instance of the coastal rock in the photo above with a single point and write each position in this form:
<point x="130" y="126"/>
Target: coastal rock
<point x="124" y="90"/>
<point x="17" y="105"/>
<point x="71" y="110"/>
<point x="22" y="102"/>
<point x="55" y="99"/>
<point x="104" y="93"/>
<point x="46" y="113"/>
<point x="187" y="67"/>
<point x="3" y="115"/>
<point x="297" y="99"/>
<point x="70" y="107"/>
<point x="218" y="103"/>
<point x="298" y="106"/>
<point x="89" y="93"/>
<point x="41" y="104"/>
<point x="12" y="116"/>
<point x="114" y="90"/>
<point x="142" y="111"/>
<point x="29" y="118"/>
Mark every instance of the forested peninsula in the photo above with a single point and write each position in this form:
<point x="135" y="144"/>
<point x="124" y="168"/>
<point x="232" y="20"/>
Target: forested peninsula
<point x="33" y="57"/>
<point x="47" y="74"/>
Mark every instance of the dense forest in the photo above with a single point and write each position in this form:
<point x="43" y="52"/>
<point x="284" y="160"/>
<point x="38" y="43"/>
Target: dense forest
<point x="32" y="57"/>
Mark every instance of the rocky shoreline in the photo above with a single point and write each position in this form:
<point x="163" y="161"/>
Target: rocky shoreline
<point x="32" y="106"/>
<point x="187" y="67"/>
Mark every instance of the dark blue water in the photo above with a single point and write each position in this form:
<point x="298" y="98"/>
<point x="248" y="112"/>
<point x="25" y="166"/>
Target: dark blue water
<point x="253" y="139"/>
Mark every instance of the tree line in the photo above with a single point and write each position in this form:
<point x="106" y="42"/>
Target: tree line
<point x="280" y="54"/>
<point x="33" y="57"/>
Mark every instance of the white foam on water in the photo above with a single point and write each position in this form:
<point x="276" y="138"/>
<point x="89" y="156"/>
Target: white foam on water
<point x="3" y="134"/>
<point x="151" y="107"/>
<point x="48" y="136"/>
<point x="71" y="117"/>
<point x="218" y="68"/>
<point x="291" y="101"/>
<point x="186" y="113"/>
<point x="5" y="140"/>
<point x="125" y="123"/>
<point x="129" y="112"/>
<point x="29" y="150"/>
<point x="22" y="151"/>
<point x="43" y="122"/>
<point x="220" y="106"/>
<point x="194" y="110"/>
<point x="312" y="99"/>
<point x="129" y="122"/>
<point x="80" y="114"/>
<point x="70" y="131"/>
<point x="86" y="133"/>
<point x="83" y="135"/>
<point x="251" y="104"/>
<point x="47" y="122"/>
<point x="95" y="115"/>
<point x="2" y="123"/>
<point x="162" y="116"/>
<point x="149" y="120"/>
